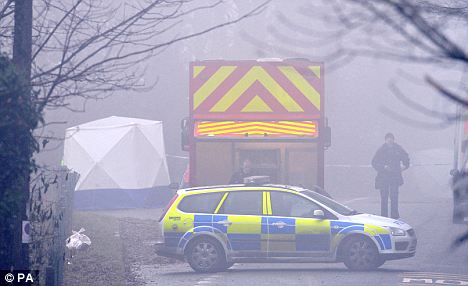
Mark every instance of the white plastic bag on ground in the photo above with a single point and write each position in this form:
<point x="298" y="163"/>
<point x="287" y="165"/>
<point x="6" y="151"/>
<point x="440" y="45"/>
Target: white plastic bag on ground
<point x="78" y="241"/>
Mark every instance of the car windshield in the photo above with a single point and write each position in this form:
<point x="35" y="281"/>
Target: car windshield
<point x="334" y="205"/>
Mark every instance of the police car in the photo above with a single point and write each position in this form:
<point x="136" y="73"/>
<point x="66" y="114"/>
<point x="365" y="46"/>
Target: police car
<point x="214" y="227"/>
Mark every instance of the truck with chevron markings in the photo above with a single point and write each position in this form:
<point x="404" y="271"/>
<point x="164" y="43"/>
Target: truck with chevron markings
<point x="268" y="111"/>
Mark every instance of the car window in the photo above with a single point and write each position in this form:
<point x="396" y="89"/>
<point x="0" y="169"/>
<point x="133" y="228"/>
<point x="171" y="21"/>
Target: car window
<point x="291" y="205"/>
<point x="243" y="203"/>
<point x="200" y="203"/>
<point x="337" y="207"/>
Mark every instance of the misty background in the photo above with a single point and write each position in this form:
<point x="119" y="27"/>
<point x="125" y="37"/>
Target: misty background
<point x="359" y="105"/>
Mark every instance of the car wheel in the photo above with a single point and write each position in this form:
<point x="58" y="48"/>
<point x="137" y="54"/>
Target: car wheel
<point x="361" y="254"/>
<point x="205" y="255"/>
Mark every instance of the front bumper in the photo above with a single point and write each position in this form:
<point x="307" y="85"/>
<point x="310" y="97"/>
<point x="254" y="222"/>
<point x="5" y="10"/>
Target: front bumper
<point x="403" y="247"/>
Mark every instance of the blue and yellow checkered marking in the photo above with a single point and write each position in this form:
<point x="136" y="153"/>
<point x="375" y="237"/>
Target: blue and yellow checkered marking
<point x="384" y="241"/>
<point x="252" y="232"/>
<point x="289" y="228"/>
<point x="341" y="227"/>
<point x="243" y="234"/>
<point x="298" y="234"/>
<point x="312" y="242"/>
<point x="244" y="241"/>
<point x="380" y="234"/>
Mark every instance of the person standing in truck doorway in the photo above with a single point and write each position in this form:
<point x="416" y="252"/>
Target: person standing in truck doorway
<point x="244" y="172"/>
<point x="389" y="161"/>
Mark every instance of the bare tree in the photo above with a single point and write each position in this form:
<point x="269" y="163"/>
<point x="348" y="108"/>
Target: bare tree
<point x="78" y="49"/>
<point x="89" y="48"/>
<point x="419" y="31"/>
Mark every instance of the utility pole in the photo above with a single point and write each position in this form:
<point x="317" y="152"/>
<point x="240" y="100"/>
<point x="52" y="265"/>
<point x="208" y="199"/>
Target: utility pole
<point x="22" y="48"/>
<point x="22" y="42"/>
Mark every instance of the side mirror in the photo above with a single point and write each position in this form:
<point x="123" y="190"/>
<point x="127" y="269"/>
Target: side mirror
<point x="319" y="214"/>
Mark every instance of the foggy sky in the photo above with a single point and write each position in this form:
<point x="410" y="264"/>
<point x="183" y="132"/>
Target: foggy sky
<point x="354" y="94"/>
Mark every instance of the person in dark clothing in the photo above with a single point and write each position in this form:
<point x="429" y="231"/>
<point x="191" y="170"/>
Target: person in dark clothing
<point x="389" y="161"/>
<point x="244" y="172"/>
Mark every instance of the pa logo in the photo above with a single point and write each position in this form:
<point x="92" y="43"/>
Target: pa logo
<point x="21" y="277"/>
<point x="9" y="277"/>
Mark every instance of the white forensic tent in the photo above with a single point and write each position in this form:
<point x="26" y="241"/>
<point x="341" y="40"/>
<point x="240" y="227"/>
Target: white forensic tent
<point x="121" y="162"/>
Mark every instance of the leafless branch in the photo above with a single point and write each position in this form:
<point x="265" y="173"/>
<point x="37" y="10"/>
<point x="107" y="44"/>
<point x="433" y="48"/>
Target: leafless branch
<point x="445" y="92"/>
<point x="413" y="122"/>
<point x="419" y="107"/>
<point x="396" y="30"/>
<point x="6" y="9"/>
<point x="94" y="57"/>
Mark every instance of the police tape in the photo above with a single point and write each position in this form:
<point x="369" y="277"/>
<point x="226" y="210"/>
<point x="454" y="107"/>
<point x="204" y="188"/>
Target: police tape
<point x="177" y="157"/>
<point x="340" y="165"/>
<point x="370" y="166"/>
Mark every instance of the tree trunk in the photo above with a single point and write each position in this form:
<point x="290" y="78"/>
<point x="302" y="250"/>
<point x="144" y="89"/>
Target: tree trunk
<point x="22" y="46"/>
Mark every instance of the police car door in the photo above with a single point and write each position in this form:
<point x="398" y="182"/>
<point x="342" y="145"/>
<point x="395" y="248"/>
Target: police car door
<point x="240" y="213"/>
<point x="293" y="231"/>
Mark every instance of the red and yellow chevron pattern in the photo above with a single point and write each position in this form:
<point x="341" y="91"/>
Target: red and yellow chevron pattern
<point x="230" y="129"/>
<point x="252" y="90"/>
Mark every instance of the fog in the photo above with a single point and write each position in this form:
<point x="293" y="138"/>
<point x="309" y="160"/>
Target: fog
<point x="366" y="96"/>
<point x="358" y="102"/>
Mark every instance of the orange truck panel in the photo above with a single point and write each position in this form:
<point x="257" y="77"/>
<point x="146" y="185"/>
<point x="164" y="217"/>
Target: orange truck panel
<point x="255" y="90"/>
<point x="256" y="129"/>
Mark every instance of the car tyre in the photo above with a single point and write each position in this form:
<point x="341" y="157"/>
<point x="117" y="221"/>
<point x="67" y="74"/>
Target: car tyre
<point x="360" y="253"/>
<point x="206" y="255"/>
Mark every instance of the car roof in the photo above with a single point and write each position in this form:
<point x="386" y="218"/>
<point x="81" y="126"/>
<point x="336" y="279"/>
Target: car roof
<point x="244" y="187"/>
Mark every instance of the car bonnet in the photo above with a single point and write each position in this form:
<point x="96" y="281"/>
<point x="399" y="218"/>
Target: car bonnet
<point x="378" y="221"/>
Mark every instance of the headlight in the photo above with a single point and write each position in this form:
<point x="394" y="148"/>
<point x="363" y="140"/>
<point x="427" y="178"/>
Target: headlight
<point x="397" y="231"/>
